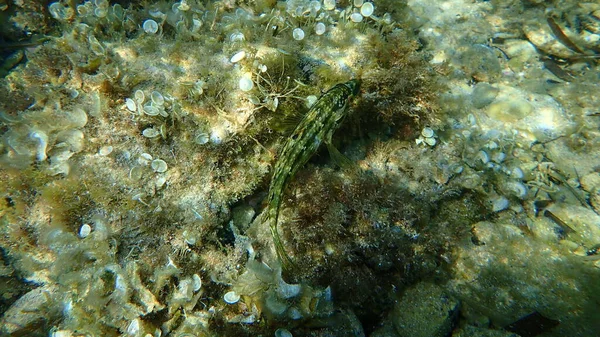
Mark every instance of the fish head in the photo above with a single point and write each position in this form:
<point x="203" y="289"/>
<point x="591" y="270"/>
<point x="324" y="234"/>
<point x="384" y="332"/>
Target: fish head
<point x="354" y="86"/>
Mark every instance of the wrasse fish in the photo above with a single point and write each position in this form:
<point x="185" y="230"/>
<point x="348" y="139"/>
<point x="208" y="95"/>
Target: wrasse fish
<point x="317" y="126"/>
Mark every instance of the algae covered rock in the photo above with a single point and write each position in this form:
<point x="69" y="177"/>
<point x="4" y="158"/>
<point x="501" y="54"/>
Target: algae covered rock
<point x="507" y="272"/>
<point x="425" y="310"/>
<point x="472" y="331"/>
<point x="32" y="314"/>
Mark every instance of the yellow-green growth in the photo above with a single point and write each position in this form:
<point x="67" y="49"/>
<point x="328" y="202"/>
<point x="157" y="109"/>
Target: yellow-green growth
<point x="317" y="126"/>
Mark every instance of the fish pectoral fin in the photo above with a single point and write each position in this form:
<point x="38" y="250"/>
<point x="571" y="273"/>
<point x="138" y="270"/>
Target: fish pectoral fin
<point x="286" y="124"/>
<point x="338" y="158"/>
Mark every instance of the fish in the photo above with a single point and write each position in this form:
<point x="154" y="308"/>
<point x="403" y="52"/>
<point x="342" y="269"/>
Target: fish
<point x="317" y="126"/>
<point x="561" y="36"/>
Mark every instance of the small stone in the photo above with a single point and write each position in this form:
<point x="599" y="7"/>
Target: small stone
<point x="243" y="215"/>
<point x="499" y="203"/>
<point x="481" y="63"/>
<point x="591" y="181"/>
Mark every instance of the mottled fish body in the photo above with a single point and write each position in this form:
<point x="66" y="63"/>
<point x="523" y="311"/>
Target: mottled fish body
<point x="317" y="126"/>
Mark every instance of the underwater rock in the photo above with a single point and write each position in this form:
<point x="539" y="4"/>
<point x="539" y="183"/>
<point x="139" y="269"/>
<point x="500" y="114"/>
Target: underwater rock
<point x="505" y="273"/>
<point x="425" y="311"/>
<point x="473" y="331"/>
<point x="480" y="63"/>
<point x="483" y="95"/>
<point x="539" y="33"/>
<point x="32" y="314"/>
<point x="537" y="117"/>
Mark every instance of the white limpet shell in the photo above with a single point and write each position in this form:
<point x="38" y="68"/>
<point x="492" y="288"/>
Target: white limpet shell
<point x="231" y="297"/>
<point x="237" y="57"/>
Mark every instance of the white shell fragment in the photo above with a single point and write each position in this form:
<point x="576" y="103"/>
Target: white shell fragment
<point x="135" y="173"/>
<point x="61" y="333"/>
<point x="84" y="231"/>
<point x="427" y="132"/>
<point x="237" y="36"/>
<point x="157" y="98"/>
<point x="231" y="297"/>
<point x="283" y="333"/>
<point x="197" y="282"/>
<point x="159" y="165"/>
<point x="498" y="157"/>
<point x="150" y="26"/>
<point x="329" y="4"/>
<point x="237" y="57"/>
<point x="320" y="28"/>
<point x="356" y="17"/>
<point x="131" y="106"/>
<point x="246" y="83"/>
<point x="139" y="96"/>
<point x="298" y="34"/>
<point x="367" y="9"/>
<point x="151" y="110"/>
<point x="105" y="150"/>
<point x="315" y="5"/>
<point x="150" y="133"/>
<point x="160" y="182"/>
<point x="202" y="138"/>
<point x="42" y="143"/>
<point x="517" y="173"/>
<point x="430" y="141"/>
